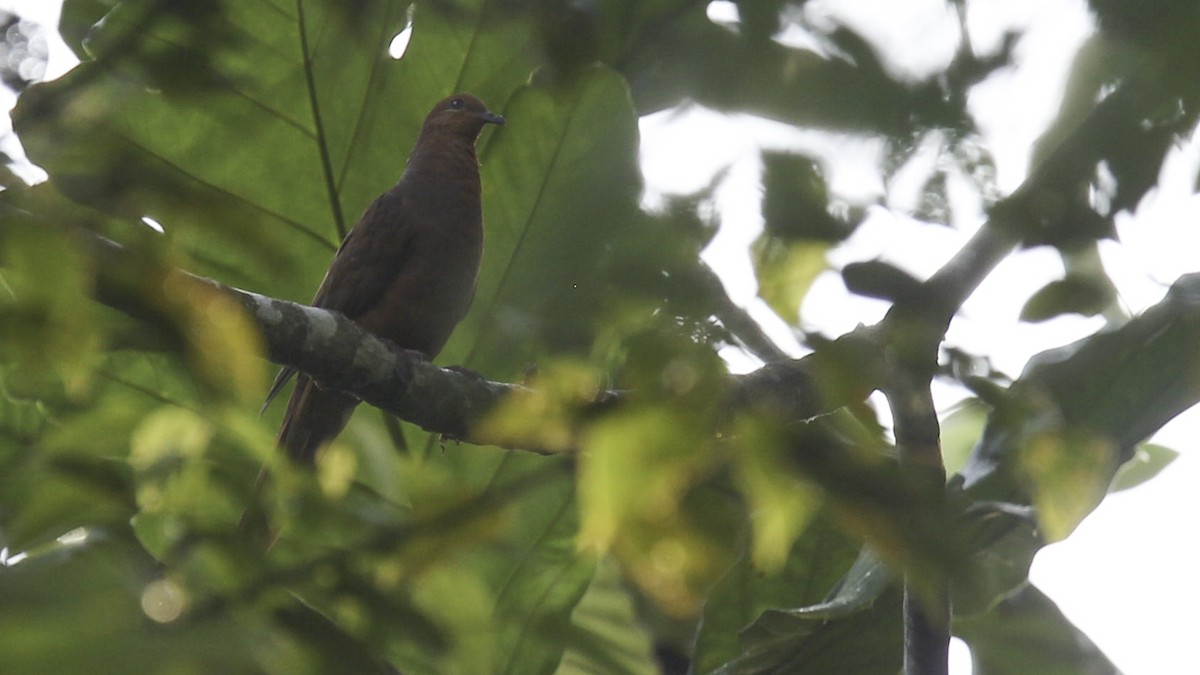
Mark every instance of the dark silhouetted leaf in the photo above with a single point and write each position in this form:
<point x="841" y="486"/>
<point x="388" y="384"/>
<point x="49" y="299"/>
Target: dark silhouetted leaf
<point x="1072" y="295"/>
<point x="878" y="279"/>
<point x="796" y="202"/>
<point x="1027" y="633"/>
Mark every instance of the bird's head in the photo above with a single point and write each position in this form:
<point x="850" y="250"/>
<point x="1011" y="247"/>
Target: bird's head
<point x="461" y="115"/>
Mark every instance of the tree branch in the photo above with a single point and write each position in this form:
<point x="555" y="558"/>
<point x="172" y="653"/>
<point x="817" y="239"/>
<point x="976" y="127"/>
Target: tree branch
<point x="340" y="355"/>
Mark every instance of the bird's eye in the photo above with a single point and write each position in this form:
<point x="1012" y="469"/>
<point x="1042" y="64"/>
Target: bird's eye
<point x="456" y="104"/>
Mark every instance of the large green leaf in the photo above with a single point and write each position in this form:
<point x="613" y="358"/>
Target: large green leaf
<point x="101" y="607"/>
<point x="560" y="189"/>
<point x="607" y="635"/>
<point x="559" y="185"/>
<point x="1147" y="462"/>
<point x="856" y="630"/>
<point x="257" y="133"/>
<point x="1085" y="407"/>
<point x="816" y="563"/>
<point x="1027" y="633"/>
<point x="543" y="575"/>
<point x="1059" y="436"/>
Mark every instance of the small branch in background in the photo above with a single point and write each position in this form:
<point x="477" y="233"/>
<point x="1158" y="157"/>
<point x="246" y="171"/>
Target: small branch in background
<point x="909" y="338"/>
<point x="945" y="292"/>
<point x="926" y="609"/>
<point x="738" y="321"/>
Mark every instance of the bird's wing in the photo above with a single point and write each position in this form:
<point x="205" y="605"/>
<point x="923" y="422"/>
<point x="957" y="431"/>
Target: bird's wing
<point x="369" y="259"/>
<point x="366" y="263"/>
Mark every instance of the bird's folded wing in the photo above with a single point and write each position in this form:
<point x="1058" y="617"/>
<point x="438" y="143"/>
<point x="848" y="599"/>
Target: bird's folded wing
<point x="367" y="262"/>
<point x="374" y="252"/>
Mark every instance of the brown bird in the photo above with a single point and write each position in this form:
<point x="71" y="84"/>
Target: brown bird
<point x="406" y="272"/>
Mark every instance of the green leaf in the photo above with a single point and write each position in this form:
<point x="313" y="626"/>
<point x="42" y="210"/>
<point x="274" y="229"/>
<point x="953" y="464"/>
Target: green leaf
<point x="815" y="564"/>
<point x="1147" y="462"/>
<point x="606" y="634"/>
<point x="20" y="423"/>
<point x="856" y="630"/>
<point x="560" y="186"/>
<point x="273" y="145"/>
<point x="1087" y="296"/>
<point x="46" y="499"/>
<point x="542" y="591"/>
<point x="89" y="607"/>
<point x="1068" y="474"/>
<point x="1027" y="633"/>
<point x="636" y="466"/>
<point x="781" y="503"/>
<point x="786" y="271"/>
<point x="1120" y="386"/>
<point x="639" y="498"/>
<point x="961" y="430"/>
<point x="1004" y="538"/>
<point x="879" y="279"/>
<point x="50" y="335"/>
<point x="78" y="17"/>
<point x="795" y="203"/>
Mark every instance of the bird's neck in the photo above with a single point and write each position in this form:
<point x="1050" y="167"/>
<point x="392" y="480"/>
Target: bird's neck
<point x="444" y="174"/>
<point x="443" y="161"/>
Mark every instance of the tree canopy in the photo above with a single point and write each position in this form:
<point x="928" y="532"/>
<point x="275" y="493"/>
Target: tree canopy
<point x="597" y="493"/>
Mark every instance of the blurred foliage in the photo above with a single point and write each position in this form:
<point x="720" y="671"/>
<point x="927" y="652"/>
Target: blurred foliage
<point x="1073" y="294"/>
<point x="148" y="525"/>
<point x="23" y="52"/>
<point x="857" y="629"/>
<point x="1026" y="631"/>
<point x="815" y="564"/>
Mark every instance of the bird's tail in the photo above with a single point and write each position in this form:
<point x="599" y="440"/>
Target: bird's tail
<point x="313" y="417"/>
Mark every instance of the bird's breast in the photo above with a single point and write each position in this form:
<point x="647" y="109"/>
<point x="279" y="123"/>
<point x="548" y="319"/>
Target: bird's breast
<point x="433" y="287"/>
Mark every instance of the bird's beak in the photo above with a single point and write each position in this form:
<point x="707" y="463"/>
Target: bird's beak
<point x="492" y="118"/>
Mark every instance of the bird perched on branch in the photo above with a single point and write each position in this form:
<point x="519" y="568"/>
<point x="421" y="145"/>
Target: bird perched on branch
<point x="407" y="270"/>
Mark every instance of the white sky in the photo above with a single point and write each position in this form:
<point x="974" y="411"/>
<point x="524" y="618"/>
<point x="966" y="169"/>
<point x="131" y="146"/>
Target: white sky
<point x="1127" y="575"/>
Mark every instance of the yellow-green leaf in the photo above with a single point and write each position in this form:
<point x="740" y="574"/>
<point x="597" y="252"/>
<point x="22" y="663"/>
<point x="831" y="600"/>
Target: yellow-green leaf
<point x="1067" y="474"/>
<point x="785" y="271"/>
